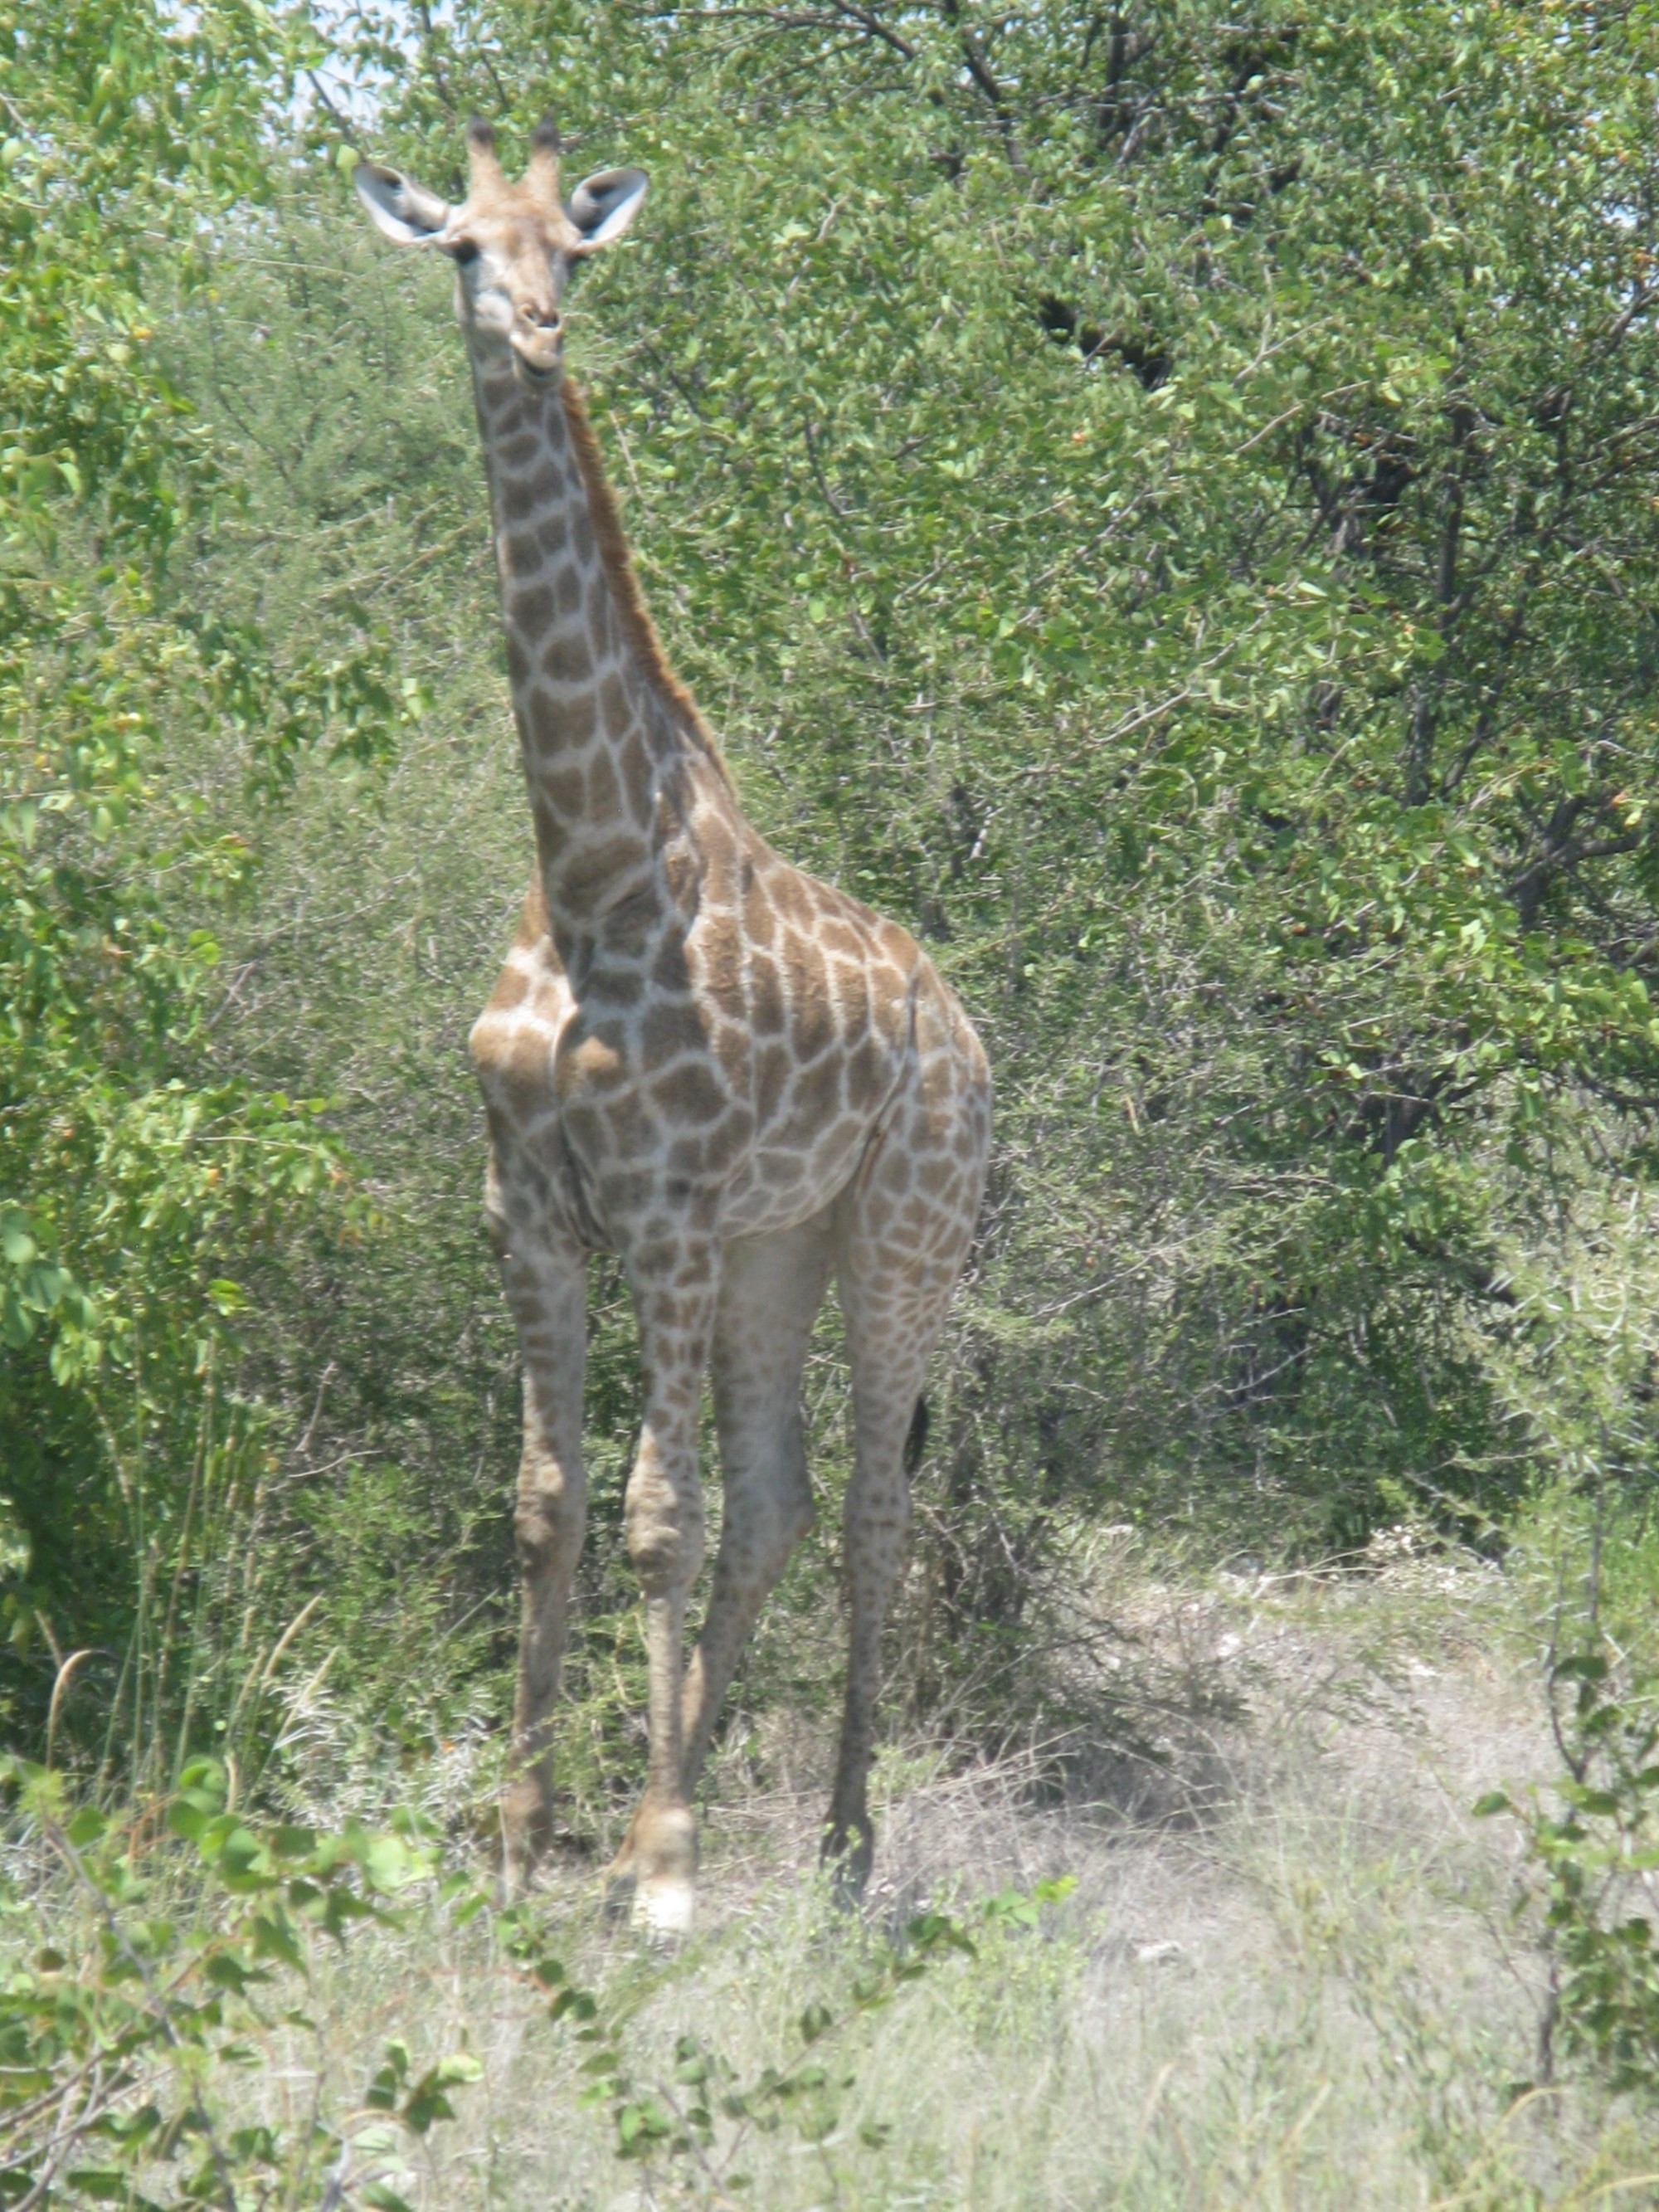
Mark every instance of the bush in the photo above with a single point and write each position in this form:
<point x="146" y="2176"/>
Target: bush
<point x="122" y="2036"/>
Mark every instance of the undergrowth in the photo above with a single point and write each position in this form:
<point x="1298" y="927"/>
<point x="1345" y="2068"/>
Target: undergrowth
<point x="161" y="1964"/>
<point x="1296" y="1973"/>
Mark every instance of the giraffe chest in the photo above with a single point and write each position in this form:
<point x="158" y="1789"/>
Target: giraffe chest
<point x="700" y="1070"/>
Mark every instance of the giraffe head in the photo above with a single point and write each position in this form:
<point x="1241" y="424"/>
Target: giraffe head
<point x="514" y="245"/>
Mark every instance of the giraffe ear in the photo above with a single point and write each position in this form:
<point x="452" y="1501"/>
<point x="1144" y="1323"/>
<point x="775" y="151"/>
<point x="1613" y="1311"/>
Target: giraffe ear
<point x="404" y="211"/>
<point x="603" y="206"/>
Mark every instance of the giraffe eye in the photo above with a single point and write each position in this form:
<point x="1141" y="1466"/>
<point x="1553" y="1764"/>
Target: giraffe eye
<point x="463" y="253"/>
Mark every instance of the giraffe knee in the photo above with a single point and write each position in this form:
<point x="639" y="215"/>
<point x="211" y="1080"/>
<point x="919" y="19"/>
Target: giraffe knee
<point x="796" y="1514"/>
<point x="666" y="1554"/>
<point x="762" y="1526"/>
<point x="549" y="1518"/>
<point x="792" y="1512"/>
<point x="663" y="1522"/>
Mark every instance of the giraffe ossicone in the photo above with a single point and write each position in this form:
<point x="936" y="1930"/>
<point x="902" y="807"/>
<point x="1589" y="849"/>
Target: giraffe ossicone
<point x="737" y="1080"/>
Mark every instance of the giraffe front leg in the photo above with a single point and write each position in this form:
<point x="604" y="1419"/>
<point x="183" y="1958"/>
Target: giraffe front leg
<point x="657" y="1866"/>
<point x="544" y="1272"/>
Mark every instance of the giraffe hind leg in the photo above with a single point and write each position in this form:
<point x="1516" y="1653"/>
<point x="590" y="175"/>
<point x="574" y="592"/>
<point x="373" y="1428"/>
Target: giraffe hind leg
<point x="903" y="1231"/>
<point x="771" y="1289"/>
<point x="889" y="1341"/>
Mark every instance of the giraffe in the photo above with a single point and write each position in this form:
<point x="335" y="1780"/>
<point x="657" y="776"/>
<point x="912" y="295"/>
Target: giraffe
<point x="739" y="1080"/>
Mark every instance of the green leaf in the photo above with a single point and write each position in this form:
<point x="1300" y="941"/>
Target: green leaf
<point x="17" y="1245"/>
<point x="387" y="1863"/>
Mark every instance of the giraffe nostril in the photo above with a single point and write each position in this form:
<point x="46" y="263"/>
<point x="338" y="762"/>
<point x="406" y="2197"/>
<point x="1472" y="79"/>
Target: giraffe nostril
<point x="540" y="319"/>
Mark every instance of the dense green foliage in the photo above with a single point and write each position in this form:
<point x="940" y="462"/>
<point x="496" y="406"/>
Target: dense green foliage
<point x="1164" y="504"/>
<point x="137" y="1173"/>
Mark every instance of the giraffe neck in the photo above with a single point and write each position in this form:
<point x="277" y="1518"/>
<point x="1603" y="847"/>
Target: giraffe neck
<point x="614" y="753"/>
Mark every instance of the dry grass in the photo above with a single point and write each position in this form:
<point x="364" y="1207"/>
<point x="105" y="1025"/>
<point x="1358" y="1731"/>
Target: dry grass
<point x="1290" y="1972"/>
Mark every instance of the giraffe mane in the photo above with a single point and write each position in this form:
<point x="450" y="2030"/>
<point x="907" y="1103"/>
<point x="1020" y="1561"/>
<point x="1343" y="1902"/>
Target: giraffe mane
<point x="618" y="563"/>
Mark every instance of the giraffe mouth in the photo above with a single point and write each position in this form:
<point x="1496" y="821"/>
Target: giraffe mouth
<point x="537" y="365"/>
<point x="534" y="374"/>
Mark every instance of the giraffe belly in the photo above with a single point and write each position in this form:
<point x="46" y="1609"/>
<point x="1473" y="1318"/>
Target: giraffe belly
<point x="735" y="1189"/>
<point x="781" y="1186"/>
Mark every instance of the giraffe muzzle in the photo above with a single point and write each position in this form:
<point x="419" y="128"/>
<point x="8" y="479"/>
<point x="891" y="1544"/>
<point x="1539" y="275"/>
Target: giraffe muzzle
<point x="538" y="342"/>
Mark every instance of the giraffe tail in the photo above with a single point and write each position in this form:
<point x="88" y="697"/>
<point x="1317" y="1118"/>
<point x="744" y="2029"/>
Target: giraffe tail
<point x="916" y="1442"/>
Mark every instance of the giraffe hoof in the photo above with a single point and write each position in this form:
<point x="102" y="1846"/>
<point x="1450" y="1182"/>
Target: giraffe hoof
<point x="848" y="1855"/>
<point x="846" y="1885"/>
<point x="526" y="1829"/>
<point x="653" y="1876"/>
<point x="665" y="1908"/>
<point x="662" y="1906"/>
